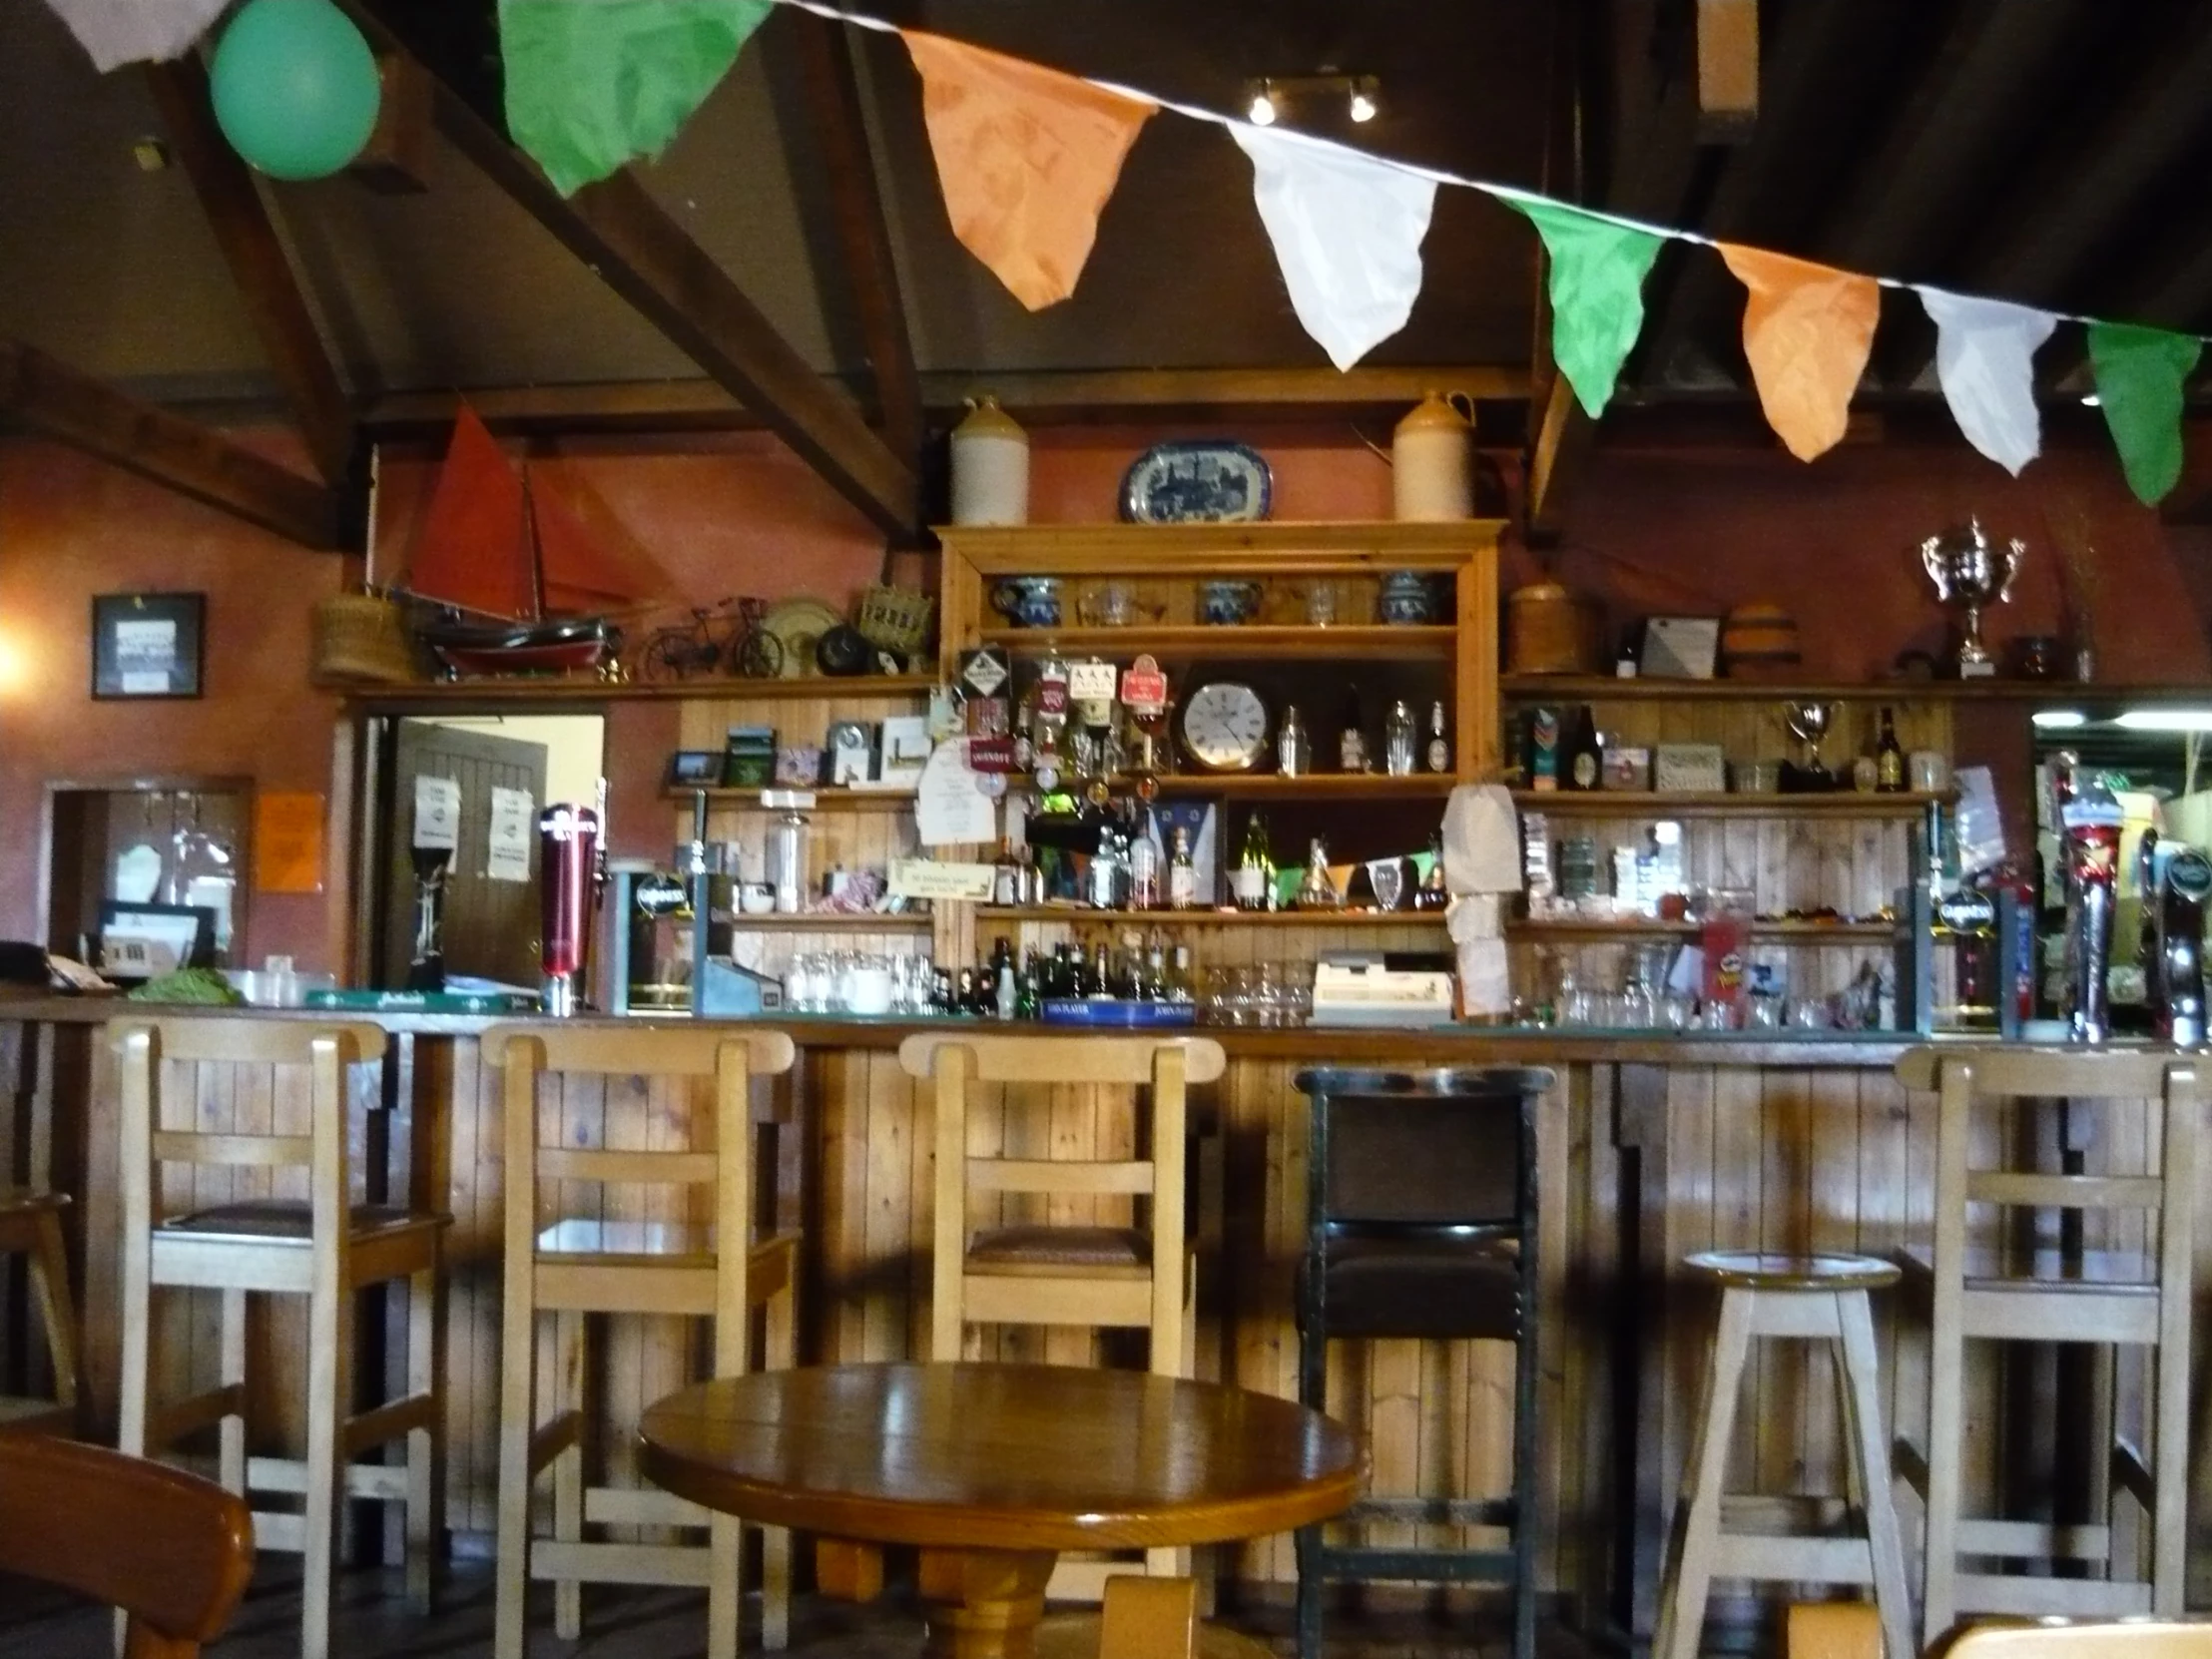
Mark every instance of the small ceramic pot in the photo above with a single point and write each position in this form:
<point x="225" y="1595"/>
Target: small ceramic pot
<point x="1406" y="598"/>
<point x="755" y="899"/>
<point x="1029" y="601"/>
<point x="1227" y="603"/>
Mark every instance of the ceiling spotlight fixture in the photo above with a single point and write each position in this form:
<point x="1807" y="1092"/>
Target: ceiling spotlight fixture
<point x="1362" y="105"/>
<point x="1324" y="100"/>
<point x="1261" y="111"/>
<point x="2057" y="720"/>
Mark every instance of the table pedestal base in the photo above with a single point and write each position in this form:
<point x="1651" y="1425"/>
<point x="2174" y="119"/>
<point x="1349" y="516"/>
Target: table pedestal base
<point x="1075" y="1636"/>
<point x="984" y="1603"/>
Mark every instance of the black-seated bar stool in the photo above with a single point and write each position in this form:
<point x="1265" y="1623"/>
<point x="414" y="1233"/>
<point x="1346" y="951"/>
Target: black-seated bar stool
<point x="1820" y="1297"/>
<point x="1422" y="1223"/>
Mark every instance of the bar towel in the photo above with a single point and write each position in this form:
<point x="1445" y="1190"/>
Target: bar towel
<point x="1482" y="848"/>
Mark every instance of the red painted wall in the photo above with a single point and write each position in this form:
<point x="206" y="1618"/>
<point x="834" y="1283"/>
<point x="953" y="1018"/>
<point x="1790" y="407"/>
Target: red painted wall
<point x="1672" y="530"/>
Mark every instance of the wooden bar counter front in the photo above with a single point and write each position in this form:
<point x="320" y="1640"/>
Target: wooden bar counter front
<point x="1648" y="1149"/>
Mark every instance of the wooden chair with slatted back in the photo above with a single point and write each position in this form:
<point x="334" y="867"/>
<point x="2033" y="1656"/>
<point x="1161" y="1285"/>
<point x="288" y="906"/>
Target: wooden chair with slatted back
<point x="1138" y="1276"/>
<point x="31" y="1227"/>
<point x="311" y="1241"/>
<point x="666" y="1258"/>
<point x="2116" y="1299"/>
<point x="171" y="1552"/>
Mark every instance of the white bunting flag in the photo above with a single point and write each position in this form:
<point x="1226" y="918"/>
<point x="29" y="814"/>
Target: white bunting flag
<point x="1346" y="232"/>
<point x="1985" y="350"/>
<point x="117" y="32"/>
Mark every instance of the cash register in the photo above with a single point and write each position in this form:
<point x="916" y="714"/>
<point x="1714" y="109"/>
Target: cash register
<point x="1383" y="987"/>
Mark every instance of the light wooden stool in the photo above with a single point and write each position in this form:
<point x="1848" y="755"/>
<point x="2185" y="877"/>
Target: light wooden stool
<point x="1824" y="1298"/>
<point x="321" y="1247"/>
<point x="667" y="1253"/>
<point x="31" y="1227"/>
<point x="1141" y="1275"/>
<point x="2121" y="1299"/>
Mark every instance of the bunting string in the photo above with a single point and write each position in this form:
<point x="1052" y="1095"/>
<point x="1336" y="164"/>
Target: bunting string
<point x="1028" y="158"/>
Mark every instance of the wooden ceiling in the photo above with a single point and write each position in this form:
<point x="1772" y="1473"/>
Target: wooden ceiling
<point x="789" y="262"/>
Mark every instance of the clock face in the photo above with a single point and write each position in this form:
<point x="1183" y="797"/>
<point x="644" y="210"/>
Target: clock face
<point x="1225" y="727"/>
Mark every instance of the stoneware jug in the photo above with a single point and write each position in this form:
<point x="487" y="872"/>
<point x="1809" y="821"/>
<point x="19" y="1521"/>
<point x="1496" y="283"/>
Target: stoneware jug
<point x="991" y="467"/>
<point x="1432" y="460"/>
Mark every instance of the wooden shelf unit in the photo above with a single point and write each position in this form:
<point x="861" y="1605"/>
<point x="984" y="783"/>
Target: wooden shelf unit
<point x="1078" y="915"/>
<point x="826" y="799"/>
<point x="1835" y="804"/>
<point x="443" y="694"/>
<point x="1597" y="687"/>
<point x="835" y="922"/>
<point x="1318" y="786"/>
<point x="1546" y="931"/>
<point x="1247" y="642"/>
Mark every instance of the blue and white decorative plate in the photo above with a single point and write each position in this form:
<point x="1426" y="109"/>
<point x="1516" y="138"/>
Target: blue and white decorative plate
<point x="1197" y="482"/>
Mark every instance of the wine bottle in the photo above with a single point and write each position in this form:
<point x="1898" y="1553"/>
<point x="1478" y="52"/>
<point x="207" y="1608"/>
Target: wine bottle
<point x="1254" y="880"/>
<point x="1182" y="874"/>
<point x="1584" y="764"/>
<point x="1146" y="876"/>
<point x="1432" y="894"/>
<point x="1397" y="740"/>
<point x="1439" y="743"/>
<point x="1318" y="890"/>
<point x="1888" y="757"/>
<point x="1352" y="740"/>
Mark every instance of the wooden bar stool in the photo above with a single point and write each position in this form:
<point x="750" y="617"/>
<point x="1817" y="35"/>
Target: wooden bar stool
<point x="1141" y="1274"/>
<point x="1823" y="1297"/>
<point x="31" y="1227"/>
<point x="655" y="1239"/>
<point x="319" y="1245"/>
<point x="2076" y="1293"/>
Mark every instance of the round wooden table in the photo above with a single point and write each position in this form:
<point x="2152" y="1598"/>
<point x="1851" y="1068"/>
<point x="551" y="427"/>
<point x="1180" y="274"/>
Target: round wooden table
<point x="992" y="1470"/>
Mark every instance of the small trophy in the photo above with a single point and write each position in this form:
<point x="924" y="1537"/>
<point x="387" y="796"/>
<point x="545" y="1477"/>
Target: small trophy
<point x="1807" y="722"/>
<point x="1971" y="571"/>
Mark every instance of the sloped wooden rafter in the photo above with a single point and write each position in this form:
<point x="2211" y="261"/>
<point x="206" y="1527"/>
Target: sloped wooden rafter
<point x="49" y="397"/>
<point x="251" y="246"/>
<point x="633" y="245"/>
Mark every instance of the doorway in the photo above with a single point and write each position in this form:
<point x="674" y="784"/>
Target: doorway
<point x="501" y="768"/>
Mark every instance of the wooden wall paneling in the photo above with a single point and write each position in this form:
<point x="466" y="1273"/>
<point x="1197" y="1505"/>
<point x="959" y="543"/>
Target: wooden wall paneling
<point x="1739" y="1223"/>
<point x="895" y="1314"/>
<point x="17" y="1042"/>
<point x="1645" y="1129"/>
<point x="1562" y="1143"/>
<point x="843" y="1083"/>
<point x="1585" y="1340"/>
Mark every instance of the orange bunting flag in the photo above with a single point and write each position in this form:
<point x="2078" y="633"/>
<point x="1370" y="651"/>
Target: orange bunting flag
<point x="1026" y="157"/>
<point x="1807" y="330"/>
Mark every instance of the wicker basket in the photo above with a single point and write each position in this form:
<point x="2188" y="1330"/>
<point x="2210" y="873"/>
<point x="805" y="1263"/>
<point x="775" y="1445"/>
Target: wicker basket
<point x="895" y="618"/>
<point x="361" y="638"/>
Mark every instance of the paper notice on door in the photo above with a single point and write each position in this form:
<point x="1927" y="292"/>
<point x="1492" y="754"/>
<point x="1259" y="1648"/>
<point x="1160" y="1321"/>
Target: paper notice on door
<point x="438" y="813"/>
<point x="511" y="823"/>
<point x="950" y="807"/>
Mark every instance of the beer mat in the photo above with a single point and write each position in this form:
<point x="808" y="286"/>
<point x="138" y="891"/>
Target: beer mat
<point x="425" y="1002"/>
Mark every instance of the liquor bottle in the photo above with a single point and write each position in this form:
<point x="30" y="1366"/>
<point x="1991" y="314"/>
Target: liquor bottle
<point x="1005" y="981"/>
<point x="1318" y="890"/>
<point x="1007" y="879"/>
<point x="1439" y="743"/>
<point x="1103" y="981"/>
<point x="1583" y="763"/>
<point x="965" y="998"/>
<point x="1397" y="740"/>
<point x="1153" y="986"/>
<point x="1254" y="880"/>
<point x="1182" y="874"/>
<point x="1293" y="750"/>
<point x="1145" y="861"/>
<point x="1026" y="988"/>
<point x="1352" y="740"/>
<point x="1888" y="757"/>
<point x="1544" y="756"/>
<point x="1181" y="988"/>
<point x="1432" y="894"/>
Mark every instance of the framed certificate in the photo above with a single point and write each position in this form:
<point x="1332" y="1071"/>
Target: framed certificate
<point x="147" y="643"/>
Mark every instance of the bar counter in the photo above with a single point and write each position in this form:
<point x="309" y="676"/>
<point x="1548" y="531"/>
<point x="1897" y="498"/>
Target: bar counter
<point x="1653" y="1145"/>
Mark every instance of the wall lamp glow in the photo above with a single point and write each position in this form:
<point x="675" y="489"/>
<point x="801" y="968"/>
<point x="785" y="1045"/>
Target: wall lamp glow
<point x="2165" y="720"/>
<point x="2057" y="720"/>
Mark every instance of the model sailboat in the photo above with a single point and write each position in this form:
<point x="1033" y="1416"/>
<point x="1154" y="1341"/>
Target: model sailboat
<point x="530" y="587"/>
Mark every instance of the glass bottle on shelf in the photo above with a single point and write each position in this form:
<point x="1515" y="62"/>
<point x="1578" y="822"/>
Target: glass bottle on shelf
<point x="1889" y="757"/>
<point x="1399" y="740"/>
<point x="1026" y="987"/>
<point x="1255" y="878"/>
<point x="1102" y="978"/>
<point x="1145" y="861"/>
<point x="1318" y="890"/>
<point x="1182" y="874"/>
<point x="1439" y="740"/>
<point x="1294" y="749"/>
<point x="1351" y="739"/>
<point x="1006" y="881"/>
<point x="1432" y="894"/>
<point x="1181" y="987"/>
<point x="1581" y="761"/>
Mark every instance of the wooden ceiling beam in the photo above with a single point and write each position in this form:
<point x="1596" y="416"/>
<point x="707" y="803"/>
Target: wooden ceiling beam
<point x="1727" y="70"/>
<point x="251" y="246"/>
<point x="830" y="82"/>
<point x="632" y="244"/>
<point x="1037" y="397"/>
<point x="51" y="398"/>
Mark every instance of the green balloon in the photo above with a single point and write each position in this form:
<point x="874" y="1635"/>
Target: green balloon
<point x="296" y="88"/>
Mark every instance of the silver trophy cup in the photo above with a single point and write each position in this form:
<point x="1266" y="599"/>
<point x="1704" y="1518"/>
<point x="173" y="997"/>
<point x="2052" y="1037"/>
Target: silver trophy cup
<point x="1809" y="722"/>
<point x="1971" y="571"/>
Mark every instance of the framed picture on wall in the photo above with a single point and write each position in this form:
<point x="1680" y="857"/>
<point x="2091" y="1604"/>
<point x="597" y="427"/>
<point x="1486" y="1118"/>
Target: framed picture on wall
<point x="147" y="643"/>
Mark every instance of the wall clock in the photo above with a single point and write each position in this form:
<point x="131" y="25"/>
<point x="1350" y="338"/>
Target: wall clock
<point x="1224" y="725"/>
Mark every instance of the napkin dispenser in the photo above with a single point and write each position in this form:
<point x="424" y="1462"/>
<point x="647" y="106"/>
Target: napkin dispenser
<point x="1374" y="987"/>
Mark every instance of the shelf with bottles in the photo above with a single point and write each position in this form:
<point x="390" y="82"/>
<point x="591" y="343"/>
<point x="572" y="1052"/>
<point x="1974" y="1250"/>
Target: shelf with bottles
<point x="1312" y="785"/>
<point x="823" y="798"/>
<point x="1599" y="687"/>
<point x="832" y="922"/>
<point x="1409" y="642"/>
<point x="1642" y="929"/>
<point x="525" y="689"/>
<point x="1649" y="803"/>
<point x="1079" y="915"/>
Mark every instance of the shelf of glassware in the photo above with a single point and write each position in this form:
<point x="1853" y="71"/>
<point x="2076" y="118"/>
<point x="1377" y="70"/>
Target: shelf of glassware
<point x="1082" y="915"/>
<point x="1831" y="804"/>
<point x="1248" y="641"/>
<point x="1786" y="930"/>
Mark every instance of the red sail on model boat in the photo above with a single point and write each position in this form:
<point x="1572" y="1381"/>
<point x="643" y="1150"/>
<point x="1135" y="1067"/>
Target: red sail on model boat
<point x="531" y="585"/>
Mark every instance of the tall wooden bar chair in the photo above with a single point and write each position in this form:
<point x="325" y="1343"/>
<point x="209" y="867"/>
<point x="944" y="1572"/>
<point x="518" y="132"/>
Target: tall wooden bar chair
<point x="1823" y="1297"/>
<point x="2116" y="1299"/>
<point x="668" y="1233"/>
<point x="31" y="1227"/>
<point x="1138" y="1276"/>
<point x="1420" y="1222"/>
<point x="168" y="1551"/>
<point x="315" y="1244"/>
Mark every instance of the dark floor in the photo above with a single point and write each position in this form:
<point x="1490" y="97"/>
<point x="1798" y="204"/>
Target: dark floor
<point x="642" y="1624"/>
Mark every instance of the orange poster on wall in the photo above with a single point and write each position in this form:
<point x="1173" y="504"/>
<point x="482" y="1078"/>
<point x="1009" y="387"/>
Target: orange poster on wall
<point x="287" y="841"/>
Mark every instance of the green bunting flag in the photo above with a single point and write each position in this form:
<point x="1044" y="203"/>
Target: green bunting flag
<point x="2139" y="375"/>
<point x="592" y="84"/>
<point x="1597" y="293"/>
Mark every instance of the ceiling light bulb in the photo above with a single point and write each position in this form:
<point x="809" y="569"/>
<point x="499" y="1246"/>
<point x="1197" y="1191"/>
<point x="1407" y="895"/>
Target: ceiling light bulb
<point x="2165" y="720"/>
<point x="2048" y="720"/>
<point x="1262" y="112"/>
<point x="1361" y="108"/>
